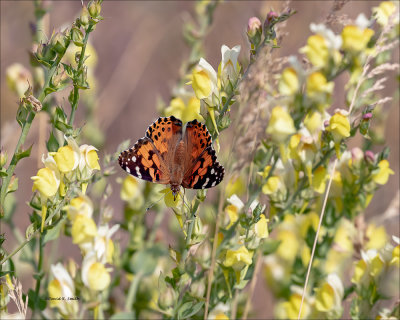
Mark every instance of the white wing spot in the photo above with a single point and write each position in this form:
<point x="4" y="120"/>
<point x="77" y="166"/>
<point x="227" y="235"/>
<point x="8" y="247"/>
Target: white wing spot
<point x="138" y="172"/>
<point x="128" y="170"/>
<point x="134" y="159"/>
<point x="213" y="184"/>
<point x="205" y="183"/>
<point x="212" y="171"/>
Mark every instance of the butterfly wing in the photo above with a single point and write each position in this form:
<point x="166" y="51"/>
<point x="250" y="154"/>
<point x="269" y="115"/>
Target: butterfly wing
<point x="202" y="169"/>
<point x="149" y="158"/>
<point x="144" y="162"/>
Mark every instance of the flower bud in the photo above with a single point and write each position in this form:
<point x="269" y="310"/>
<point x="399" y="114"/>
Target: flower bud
<point x="166" y="298"/>
<point x="60" y="42"/>
<point x="77" y="36"/>
<point x="3" y="158"/>
<point x="198" y="289"/>
<point x="94" y="9"/>
<point x="59" y="77"/>
<point x="253" y="26"/>
<point x="367" y="116"/>
<point x="270" y="20"/>
<point x="369" y="156"/>
<point x="84" y="17"/>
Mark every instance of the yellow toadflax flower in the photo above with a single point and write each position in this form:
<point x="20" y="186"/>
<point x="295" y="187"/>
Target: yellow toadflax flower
<point x="18" y="78"/>
<point x="318" y="88"/>
<point x="238" y="259"/>
<point x="339" y="126"/>
<point x="67" y="157"/>
<point x="383" y="12"/>
<point x="184" y="108"/>
<point x="329" y="295"/>
<point x="280" y="125"/>
<point x="78" y="206"/>
<point x="47" y="182"/>
<point x="356" y="37"/>
<point x="229" y="67"/>
<point x="381" y="176"/>
<point x="316" y="51"/>
<point x="88" y="162"/>
<point x="83" y="230"/>
<point x="289" y="82"/>
<point x="94" y="275"/>
<point x="205" y="83"/>
<point x="62" y="286"/>
<point x="130" y="188"/>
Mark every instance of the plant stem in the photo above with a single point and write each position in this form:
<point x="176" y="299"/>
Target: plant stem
<point x="39" y="276"/>
<point x="252" y="285"/>
<point x="74" y="104"/>
<point x="24" y="133"/>
<point x="190" y="229"/>
<point x="132" y="292"/>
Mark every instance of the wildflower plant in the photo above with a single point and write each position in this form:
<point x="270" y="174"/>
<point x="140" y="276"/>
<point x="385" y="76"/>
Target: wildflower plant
<point x="289" y="213"/>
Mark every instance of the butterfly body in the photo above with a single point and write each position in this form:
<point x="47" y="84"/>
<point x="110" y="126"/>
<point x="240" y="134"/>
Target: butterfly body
<point x="175" y="155"/>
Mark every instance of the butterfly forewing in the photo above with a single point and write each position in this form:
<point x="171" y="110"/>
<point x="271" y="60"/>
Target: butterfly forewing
<point x="144" y="162"/>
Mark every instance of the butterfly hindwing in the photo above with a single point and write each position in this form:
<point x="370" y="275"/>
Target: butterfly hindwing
<point x="143" y="162"/>
<point x="206" y="171"/>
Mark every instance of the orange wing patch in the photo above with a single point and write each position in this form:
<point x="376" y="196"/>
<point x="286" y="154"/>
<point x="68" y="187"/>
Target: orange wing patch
<point x="164" y="133"/>
<point x="144" y="162"/>
<point x="197" y="139"/>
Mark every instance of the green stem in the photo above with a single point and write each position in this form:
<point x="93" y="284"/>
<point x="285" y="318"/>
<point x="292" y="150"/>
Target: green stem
<point x="39" y="276"/>
<point x="74" y="104"/>
<point x="24" y="133"/>
<point x="190" y="228"/>
<point x="132" y="292"/>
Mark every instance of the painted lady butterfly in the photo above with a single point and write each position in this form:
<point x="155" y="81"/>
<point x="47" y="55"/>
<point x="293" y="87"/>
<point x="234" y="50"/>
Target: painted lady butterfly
<point x="167" y="155"/>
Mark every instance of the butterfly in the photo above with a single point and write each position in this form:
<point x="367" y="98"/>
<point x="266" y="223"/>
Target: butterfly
<point x="174" y="154"/>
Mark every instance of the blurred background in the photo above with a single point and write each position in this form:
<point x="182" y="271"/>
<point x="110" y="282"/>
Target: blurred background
<point x="139" y="49"/>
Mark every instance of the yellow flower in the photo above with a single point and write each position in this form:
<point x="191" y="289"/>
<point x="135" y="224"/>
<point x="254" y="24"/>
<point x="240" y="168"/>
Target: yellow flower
<point x="186" y="111"/>
<point x="280" y="125"/>
<point x="219" y="312"/>
<point x="329" y="296"/>
<point x="290" y="309"/>
<point x="359" y="271"/>
<point x="261" y="227"/>
<point x="94" y="275"/>
<point x="319" y="179"/>
<point x="103" y="245"/>
<point x="289" y="82"/>
<point x="308" y="220"/>
<point x="384" y="11"/>
<point x="377" y="237"/>
<point x="18" y="78"/>
<point x="78" y="206"/>
<point x="47" y="182"/>
<point x="62" y="286"/>
<point x="339" y="126"/>
<point x="88" y="161"/>
<point x="272" y="185"/>
<point x="396" y="256"/>
<point x="355" y="39"/>
<point x="316" y="51"/>
<point x="83" y="230"/>
<point x="238" y="259"/>
<point x="313" y="121"/>
<point x="317" y="87"/>
<point x="232" y="213"/>
<point x="130" y="188"/>
<point x="67" y="157"/>
<point x="289" y="246"/>
<point x="204" y="83"/>
<point x="383" y="172"/>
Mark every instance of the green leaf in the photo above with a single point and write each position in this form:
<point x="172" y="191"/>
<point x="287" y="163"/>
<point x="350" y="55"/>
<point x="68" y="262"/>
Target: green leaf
<point x="63" y="126"/>
<point x="123" y="316"/>
<point x="22" y="113"/>
<point x="3" y="172"/>
<point x="4" y="273"/>
<point x="13" y="186"/>
<point x="10" y="203"/>
<point x="53" y="232"/>
<point x="188" y="310"/>
<point x="270" y="246"/>
<point x="23" y="154"/>
<point x="49" y="90"/>
<point x="52" y="143"/>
